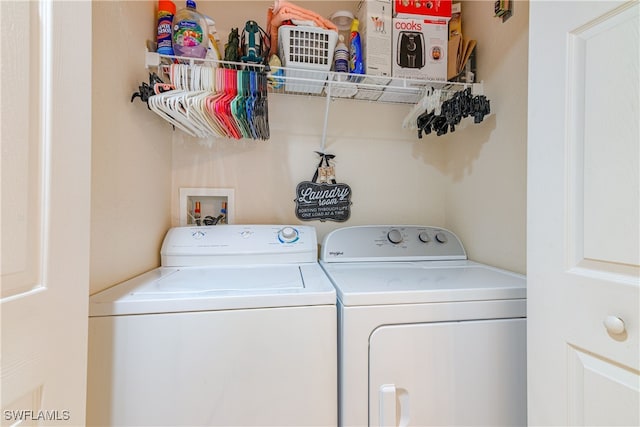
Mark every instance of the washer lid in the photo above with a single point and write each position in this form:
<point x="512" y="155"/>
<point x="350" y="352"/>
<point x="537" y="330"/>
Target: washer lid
<point x="179" y="289"/>
<point x="381" y="283"/>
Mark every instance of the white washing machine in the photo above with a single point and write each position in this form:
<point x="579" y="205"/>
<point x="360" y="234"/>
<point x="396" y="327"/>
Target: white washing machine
<point x="426" y="337"/>
<point x="237" y="328"/>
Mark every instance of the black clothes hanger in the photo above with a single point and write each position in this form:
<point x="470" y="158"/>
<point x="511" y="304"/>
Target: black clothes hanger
<point x="462" y="104"/>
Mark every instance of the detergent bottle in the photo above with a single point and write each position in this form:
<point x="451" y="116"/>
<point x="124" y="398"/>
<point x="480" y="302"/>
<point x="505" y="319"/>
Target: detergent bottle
<point x="166" y="10"/>
<point x="356" y="64"/>
<point x="190" y="32"/>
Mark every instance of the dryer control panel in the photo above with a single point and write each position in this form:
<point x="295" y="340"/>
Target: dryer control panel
<point x="391" y="243"/>
<point x="239" y="244"/>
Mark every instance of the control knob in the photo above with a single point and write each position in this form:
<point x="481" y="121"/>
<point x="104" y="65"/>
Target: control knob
<point x="288" y="235"/>
<point x="394" y="236"/>
<point x="424" y="237"/>
<point x="441" y="237"/>
<point x="197" y="234"/>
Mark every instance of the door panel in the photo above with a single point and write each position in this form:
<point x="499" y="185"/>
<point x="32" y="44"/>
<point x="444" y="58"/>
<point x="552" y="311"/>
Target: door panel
<point x="46" y="158"/>
<point x="22" y="181"/>
<point x="450" y="373"/>
<point x="583" y="214"/>
<point x="601" y="392"/>
<point x="603" y="137"/>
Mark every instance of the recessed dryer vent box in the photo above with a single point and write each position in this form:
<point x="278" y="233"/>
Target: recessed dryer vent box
<point x="211" y="203"/>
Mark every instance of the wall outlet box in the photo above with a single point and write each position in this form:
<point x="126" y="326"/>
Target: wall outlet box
<point x="211" y="203"/>
<point x="420" y="46"/>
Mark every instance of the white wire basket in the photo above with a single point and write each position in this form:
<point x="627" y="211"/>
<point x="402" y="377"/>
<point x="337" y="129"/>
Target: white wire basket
<point x="309" y="49"/>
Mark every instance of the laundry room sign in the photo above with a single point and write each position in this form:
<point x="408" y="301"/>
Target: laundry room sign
<point x="323" y="198"/>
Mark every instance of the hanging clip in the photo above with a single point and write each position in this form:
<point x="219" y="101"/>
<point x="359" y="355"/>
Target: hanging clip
<point x="147" y="90"/>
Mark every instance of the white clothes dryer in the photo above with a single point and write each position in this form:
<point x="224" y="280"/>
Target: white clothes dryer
<point x="426" y="337"/>
<point x="236" y="328"/>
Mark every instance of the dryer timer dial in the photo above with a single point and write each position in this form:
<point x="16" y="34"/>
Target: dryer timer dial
<point x="394" y="236"/>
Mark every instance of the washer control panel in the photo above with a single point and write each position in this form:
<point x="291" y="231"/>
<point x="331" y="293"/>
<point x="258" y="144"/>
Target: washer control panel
<point x="391" y="242"/>
<point x="238" y="244"/>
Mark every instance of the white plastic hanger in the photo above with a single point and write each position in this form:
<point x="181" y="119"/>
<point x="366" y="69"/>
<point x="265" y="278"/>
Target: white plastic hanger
<point x="430" y="102"/>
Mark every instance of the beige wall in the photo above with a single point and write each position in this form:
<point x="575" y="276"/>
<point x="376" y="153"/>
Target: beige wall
<point x="131" y="149"/>
<point x="392" y="177"/>
<point x="487" y="165"/>
<point x="472" y="181"/>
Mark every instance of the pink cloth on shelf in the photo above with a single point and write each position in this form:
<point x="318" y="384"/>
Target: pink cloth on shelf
<point x="283" y="11"/>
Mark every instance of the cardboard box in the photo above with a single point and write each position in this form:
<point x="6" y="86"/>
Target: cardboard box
<point x="439" y="8"/>
<point x="375" y="34"/>
<point x="420" y="47"/>
<point x="460" y="49"/>
<point x="455" y="23"/>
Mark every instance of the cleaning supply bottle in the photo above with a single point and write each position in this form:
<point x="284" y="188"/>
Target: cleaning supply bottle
<point x="213" y="52"/>
<point x="222" y="218"/>
<point x="275" y="76"/>
<point x="166" y="11"/>
<point x="190" y="32"/>
<point x="341" y="57"/>
<point x="196" y="214"/>
<point x="356" y="64"/>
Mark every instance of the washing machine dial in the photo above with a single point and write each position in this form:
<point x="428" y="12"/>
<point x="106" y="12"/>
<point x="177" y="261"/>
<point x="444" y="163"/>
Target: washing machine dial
<point x="441" y="237"/>
<point x="288" y="235"/>
<point x="424" y="237"/>
<point x="394" y="236"/>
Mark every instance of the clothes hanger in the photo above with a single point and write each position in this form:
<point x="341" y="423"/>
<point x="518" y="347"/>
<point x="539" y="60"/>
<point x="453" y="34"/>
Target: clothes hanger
<point x="165" y="106"/>
<point x="237" y="105"/>
<point x="181" y="103"/>
<point x="203" y="84"/>
<point x="222" y="106"/>
<point x="260" y="111"/>
<point x="250" y="104"/>
<point x="425" y="104"/>
<point x="210" y="104"/>
<point x="452" y="110"/>
<point x="212" y="101"/>
<point x="263" y="105"/>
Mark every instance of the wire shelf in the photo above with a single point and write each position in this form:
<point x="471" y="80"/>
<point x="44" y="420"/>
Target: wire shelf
<point x="308" y="82"/>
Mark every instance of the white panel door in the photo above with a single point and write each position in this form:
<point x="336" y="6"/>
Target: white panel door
<point x="583" y="214"/>
<point x="46" y="160"/>
<point x="470" y="373"/>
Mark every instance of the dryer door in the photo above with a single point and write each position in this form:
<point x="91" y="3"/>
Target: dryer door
<point x="450" y="373"/>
